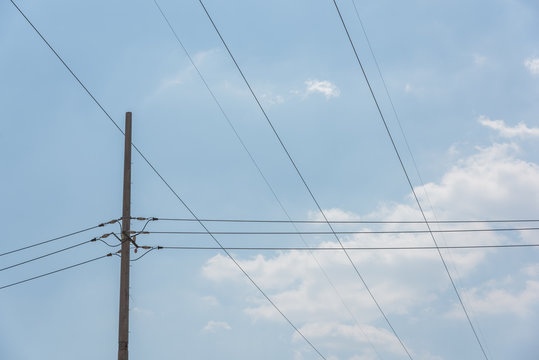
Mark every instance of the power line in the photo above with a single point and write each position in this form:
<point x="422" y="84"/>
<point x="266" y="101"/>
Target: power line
<point x="49" y="254"/>
<point x="352" y="248"/>
<point x="351" y="221"/>
<point x="58" y="238"/>
<point x="302" y="179"/>
<point x="55" y="271"/>
<point x="366" y="232"/>
<point x="400" y="125"/>
<point x="408" y="179"/>
<point x="67" y="66"/>
<point x="254" y="283"/>
<point x="254" y="162"/>
<point x="168" y="186"/>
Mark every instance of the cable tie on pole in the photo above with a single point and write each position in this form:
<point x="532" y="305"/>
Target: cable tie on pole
<point x="154" y="219"/>
<point x="93" y="240"/>
<point x="159" y="247"/>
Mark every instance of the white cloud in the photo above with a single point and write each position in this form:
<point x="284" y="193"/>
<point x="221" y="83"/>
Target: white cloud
<point x="180" y="77"/>
<point x="333" y="214"/>
<point x="492" y="181"/>
<point x="324" y="87"/>
<point x="335" y="335"/>
<point x="492" y="298"/>
<point x="213" y="326"/>
<point x="520" y="130"/>
<point x="271" y="99"/>
<point x="533" y="65"/>
<point x="143" y="312"/>
<point x="298" y="355"/>
<point x="366" y="356"/>
<point x="531" y="270"/>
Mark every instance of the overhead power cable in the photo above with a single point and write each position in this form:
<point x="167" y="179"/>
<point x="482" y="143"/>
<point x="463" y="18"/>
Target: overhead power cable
<point x="57" y="238"/>
<point x="401" y="128"/>
<point x="66" y="66"/>
<point x="408" y="179"/>
<point x="168" y="186"/>
<point x="351" y="221"/>
<point x="100" y="238"/>
<point x="303" y="179"/>
<point x="352" y="248"/>
<point x="55" y="271"/>
<point x="46" y="255"/>
<point x="360" y="232"/>
<point x="258" y="168"/>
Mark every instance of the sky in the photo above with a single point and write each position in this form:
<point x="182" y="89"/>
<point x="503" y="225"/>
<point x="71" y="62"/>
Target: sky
<point x="464" y="81"/>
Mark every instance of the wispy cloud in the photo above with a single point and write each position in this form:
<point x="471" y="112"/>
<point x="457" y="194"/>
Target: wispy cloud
<point x="533" y="65"/>
<point x="518" y="131"/>
<point x="323" y="87"/>
<point x="271" y="99"/>
<point x="143" y="312"/>
<point x="213" y="326"/>
<point x="185" y="73"/>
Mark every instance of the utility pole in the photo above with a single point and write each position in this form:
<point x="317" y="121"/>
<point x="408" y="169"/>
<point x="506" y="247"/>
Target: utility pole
<point x="123" y="326"/>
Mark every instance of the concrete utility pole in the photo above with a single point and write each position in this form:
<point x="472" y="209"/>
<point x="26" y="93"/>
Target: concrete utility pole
<point x="123" y="326"/>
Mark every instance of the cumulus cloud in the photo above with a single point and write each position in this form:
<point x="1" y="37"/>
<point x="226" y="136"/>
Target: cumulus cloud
<point x="323" y="87"/>
<point x="337" y="335"/>
<point x="497" y="298"/>
<point x="213" y="326"/>
<point x="493" y="181"/>
<point x="533" y="65"/>
<point x="518" y="131"/>
<point x="531" y="270"/>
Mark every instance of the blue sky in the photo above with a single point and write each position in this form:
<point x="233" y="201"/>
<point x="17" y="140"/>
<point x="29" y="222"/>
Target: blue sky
<point x="464" y="78"/>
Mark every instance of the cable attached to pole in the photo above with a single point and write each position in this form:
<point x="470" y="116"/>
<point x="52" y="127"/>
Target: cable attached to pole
<point x="55" y="271"/>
